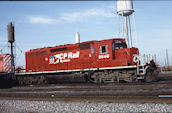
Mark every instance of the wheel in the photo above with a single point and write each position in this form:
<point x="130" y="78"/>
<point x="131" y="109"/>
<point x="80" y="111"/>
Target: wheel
<point x="149" y="77"/>
<point x="86" y="78"/>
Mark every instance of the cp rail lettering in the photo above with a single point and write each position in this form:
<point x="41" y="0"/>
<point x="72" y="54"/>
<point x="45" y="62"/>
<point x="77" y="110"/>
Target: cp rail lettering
<point x="63" y="57"/>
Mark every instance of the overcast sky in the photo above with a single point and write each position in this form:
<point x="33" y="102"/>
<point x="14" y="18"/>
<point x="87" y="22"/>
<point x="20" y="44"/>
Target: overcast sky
<point x="42" y="24"/>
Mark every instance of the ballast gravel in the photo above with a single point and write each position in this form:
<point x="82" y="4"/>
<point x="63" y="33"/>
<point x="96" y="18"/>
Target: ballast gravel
<point x="21" y="106"/>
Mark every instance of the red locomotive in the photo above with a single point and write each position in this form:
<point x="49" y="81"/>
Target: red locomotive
<point x="96" y="61"/>
<point x="86" y="55"/>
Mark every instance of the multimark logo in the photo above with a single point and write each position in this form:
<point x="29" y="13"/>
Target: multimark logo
<point x="51" y="57"/>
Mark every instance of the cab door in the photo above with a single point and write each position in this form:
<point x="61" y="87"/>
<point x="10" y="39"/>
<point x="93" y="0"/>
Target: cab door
<point x="104" y="53"/>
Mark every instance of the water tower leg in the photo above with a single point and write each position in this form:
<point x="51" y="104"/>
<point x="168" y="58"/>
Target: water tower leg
<point x="126" y="30"/>
<point x="136" y="36"/>
<point x="123" y="25"/>
<point x="129" y="25"/>
<point x="119" y="29"/>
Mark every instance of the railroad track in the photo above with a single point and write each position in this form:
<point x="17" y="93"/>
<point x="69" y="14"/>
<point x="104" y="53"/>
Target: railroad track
<point x="89" y="91"/>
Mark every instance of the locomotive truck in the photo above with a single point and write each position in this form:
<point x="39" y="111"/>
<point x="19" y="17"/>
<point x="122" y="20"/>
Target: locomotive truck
<point x="101" y="61"/>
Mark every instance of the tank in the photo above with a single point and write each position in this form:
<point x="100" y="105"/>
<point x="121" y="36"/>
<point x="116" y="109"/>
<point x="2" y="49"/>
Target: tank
<point x="124" y="7"/>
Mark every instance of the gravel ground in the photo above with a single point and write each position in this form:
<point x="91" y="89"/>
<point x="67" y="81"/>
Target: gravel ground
<point x="21" y="106"/>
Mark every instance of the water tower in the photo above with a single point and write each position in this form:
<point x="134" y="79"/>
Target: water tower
<point x="124" y="11"/>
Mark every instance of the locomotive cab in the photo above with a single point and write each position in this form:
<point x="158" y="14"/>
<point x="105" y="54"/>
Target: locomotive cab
<point x="114" y="53"/>
<point x="121" y="51"/>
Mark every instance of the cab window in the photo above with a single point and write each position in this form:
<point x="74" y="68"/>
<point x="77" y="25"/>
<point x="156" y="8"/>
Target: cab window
<point x="103" y="49"/>
<point x="120" y="46"/>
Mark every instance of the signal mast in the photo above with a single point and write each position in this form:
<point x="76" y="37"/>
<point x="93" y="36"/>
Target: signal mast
<point x="11" y="40"/>
<point x="124" y="10"/>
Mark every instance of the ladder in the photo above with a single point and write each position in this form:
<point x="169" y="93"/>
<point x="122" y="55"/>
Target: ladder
<point x="141" y="71"/>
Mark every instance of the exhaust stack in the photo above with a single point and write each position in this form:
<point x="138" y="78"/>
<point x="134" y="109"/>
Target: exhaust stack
<point x="77" y="37"/>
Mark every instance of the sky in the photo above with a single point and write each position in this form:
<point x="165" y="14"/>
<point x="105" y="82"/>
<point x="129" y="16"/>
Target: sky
<point x="50" y="23"/>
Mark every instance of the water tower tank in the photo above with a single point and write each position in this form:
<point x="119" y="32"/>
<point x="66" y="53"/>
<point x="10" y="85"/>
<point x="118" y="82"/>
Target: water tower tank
<point x="125" y="7"/>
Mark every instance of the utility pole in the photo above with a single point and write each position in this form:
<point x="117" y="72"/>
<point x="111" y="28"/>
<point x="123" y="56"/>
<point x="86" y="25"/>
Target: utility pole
<point x="144" y="58"/>
<point x="11" y="40"/>
<point x="155" y="58"/>
<point x="167" y="58"/>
